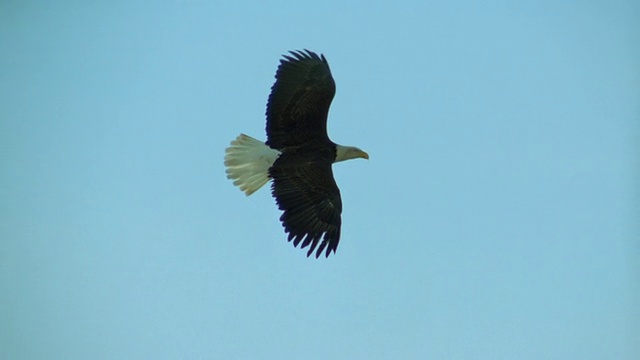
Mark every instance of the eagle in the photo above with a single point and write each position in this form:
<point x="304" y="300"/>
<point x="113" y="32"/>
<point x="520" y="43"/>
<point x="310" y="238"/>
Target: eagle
<point x="298" y="154"/>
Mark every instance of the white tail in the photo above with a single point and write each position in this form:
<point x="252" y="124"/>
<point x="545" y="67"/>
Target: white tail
<point x="248" y="161"/>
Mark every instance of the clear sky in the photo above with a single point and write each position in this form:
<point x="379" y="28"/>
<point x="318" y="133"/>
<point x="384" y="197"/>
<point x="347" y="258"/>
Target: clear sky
<point x="497" y="217"/>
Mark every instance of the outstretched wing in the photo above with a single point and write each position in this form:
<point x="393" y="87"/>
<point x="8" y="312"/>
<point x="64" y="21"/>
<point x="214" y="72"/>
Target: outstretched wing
<point x="299" y="101"/>
<point x="307" y="193"/>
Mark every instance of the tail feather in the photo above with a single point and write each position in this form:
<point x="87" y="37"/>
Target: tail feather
<point x="248" y="161"/>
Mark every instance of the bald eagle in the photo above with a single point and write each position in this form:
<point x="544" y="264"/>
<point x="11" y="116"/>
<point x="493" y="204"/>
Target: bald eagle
<point x="298" y="154"/>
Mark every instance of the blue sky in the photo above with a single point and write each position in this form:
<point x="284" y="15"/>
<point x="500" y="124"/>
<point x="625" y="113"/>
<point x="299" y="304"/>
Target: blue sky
<point x="496" y="219"/>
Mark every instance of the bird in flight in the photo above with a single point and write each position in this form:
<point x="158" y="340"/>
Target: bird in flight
<point x="298" y="154"/>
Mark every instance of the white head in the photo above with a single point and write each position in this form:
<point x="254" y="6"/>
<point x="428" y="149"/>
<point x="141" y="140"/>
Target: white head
<point x="349" y="152"/>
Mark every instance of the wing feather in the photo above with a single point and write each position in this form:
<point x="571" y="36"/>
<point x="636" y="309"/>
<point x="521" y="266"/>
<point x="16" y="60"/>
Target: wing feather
<point x="309" y="197"/>
<point x="299" y="102"/>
